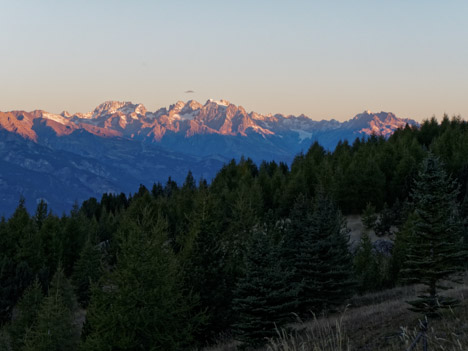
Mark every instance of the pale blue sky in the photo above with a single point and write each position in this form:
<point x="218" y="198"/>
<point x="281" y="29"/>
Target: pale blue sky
<point x="326" y="59"/>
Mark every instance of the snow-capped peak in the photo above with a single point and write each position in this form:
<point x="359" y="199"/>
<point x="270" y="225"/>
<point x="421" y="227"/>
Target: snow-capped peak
<point x="221" y="102"/>
<point x="57" y="118"/>
<point x="110" y="107"/>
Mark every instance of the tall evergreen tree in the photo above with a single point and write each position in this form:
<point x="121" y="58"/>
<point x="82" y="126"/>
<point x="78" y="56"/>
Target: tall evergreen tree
<point x="140" y="304"/>
<point x="329" y="246"/>
<point x="204" y="260"/>
<point x="316" y="246"/>
<point x="366" y="266"/>
<point x="264" y="297"/>
<point x="27" y="311"/>
<point x="74" y="235"/>
<point x="55" y="328"/>
<point x="369" y="217"/>
<point x="41" y="213"/>
<point x="87" y="270"/>
<point x="20" y="258"/>
<point x="435" y="253"/>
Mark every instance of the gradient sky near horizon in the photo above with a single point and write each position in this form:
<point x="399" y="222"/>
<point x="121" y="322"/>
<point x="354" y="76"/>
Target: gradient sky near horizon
<point x="326" y="59"/>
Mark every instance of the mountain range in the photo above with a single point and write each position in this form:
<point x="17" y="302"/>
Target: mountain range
<point x="65" y="157"/>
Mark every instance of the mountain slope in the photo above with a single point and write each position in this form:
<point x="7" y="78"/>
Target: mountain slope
<point x="120" y="145"/>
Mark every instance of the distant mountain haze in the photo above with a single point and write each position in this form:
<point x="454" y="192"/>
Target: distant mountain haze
<point x="70" y="157"/>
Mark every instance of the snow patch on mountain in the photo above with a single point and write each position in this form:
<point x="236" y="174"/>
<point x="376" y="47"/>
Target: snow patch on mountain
<point x="54" y="117"/>
<point x="220" y="102"/>
<point x="303" y="135"/>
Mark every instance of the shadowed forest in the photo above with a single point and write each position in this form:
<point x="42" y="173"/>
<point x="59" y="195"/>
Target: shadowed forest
<point x="244" y="256"/>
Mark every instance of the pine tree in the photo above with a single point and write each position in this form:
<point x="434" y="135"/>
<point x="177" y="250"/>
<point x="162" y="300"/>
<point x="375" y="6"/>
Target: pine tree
<point x="27" y="311"/>
<point x="264" y="298"/>
<point x="404" y="236"/>
<point x="73" y="237"/>
<point x="5" y="340"/>
<point x="366" y="266"/>
<point x="19" y="258"/>
<point x="87" y="270"/>
<point x="41" y="213"/>
<point x="329" y="247"/>
<point x="55" y="329"/>
<point x="51" y="245"/>
<point x="369" y="217"/>
<point x="384" y="222"/>
<point x="315" y="245"/>
<point x="140" y="304"/>
<point x="62" y="287"/>
<point x="435" y="253"/>
<point x="204" y="260"/>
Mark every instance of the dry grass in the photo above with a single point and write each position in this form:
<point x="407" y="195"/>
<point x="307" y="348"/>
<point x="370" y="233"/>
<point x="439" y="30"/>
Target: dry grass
<point x="379" y="321"/>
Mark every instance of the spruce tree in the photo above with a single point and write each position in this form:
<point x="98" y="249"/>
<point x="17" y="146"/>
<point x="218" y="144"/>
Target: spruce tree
<point x="41" y="213"/>
<point x="328" y="243"/>
<point x="369" y="217"/>
<point x="20" y="258"/>
<point x="264" y="298"/>
<point x="366" y="266"/>
<point x="401" y="246"/>
<point x="205" y="270"/>
<point x="316" y="246"/>
<point x="73" y="237"/>
<point x="87" y="270"/>
<point x="5" y="340"/>
<point x="435" y="252"/>
<point x="55" y="328"/>
<point x="60" y="285"/>
<point x="140" y="304"/>
<point x="27" y="311"/>
<point x="385" y="221"/>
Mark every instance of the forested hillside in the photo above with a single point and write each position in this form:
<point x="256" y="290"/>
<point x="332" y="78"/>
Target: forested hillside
<point x="175" y="266"/>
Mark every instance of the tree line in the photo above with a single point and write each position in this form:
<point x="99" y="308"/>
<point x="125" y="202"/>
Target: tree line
<point x="176" y="266"/>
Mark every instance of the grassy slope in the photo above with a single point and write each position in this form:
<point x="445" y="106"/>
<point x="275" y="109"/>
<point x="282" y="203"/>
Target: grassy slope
<point x="379" y="321"/>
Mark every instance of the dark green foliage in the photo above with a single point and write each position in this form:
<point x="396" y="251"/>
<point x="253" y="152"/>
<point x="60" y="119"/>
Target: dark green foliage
<point x="205" y="268"/>
<point x="400" y="250"/>
<point x="19" y="259"/>
<point x="385" y="221"/>
<point x="369" y="217"/>
<point x="315" y="246"/>
<point x="52" y="244"/>
<point x="87" y="270"/>
<point x="264" y="297"/>
<point x="74" y="235"/>
<point x="184" y="248"/>
<point x="28" y="309"/>
<point x="366" y="266"/>
<point x="5" y="340"/>
<point x="435" y="249"/>
<point x="61" y="287"/>
<point x="41" y="213"/>
<point x="329" y="243"/>
<point x="140" y="305"/>
<point x="54" y="328"/>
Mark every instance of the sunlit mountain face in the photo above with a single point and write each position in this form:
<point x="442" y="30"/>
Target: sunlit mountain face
<point x="66" y="157"/>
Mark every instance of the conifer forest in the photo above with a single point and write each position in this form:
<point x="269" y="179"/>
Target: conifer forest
<point x="244" y="255"/>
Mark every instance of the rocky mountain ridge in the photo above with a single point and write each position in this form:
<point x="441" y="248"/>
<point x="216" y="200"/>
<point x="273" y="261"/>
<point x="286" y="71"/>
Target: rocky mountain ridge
<point x="189" y="119"/>
<point x="119" y="145"/>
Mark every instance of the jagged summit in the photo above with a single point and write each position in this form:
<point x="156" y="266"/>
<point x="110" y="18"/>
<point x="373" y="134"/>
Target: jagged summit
<point x="119" y="145"/>
<point x="221" y="102"/>
<point x="191" y="118"/>
<point x="110" y="107"/>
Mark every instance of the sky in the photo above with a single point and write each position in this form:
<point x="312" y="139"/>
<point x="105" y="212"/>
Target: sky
<point x="325" y="59"/>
